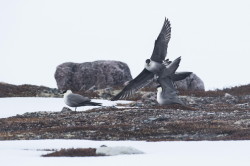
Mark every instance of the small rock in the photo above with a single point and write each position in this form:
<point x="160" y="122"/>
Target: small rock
<point x="149" y="96"/>
<point x="244" y="122"/>
<point x="227" y="95"/>
<point x="152" y="119"/>
<point x="66" y="110"/>
<point x="190" y="100"/>
<point x="244" y="105"/>
<point x="105" y="93"/>
<point x="137" y="104"/>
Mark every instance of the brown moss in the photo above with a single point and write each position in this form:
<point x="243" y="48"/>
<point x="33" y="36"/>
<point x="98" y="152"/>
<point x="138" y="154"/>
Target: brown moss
<point x="237" y="91"/>
<point x="173" y="106"/>
<point x="79" y="152"/>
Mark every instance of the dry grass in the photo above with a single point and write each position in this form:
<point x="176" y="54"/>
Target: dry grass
<point x="202" y="93"/>
<point x="9" y="90"/>
<point x="79" y="152"/>
<point x="214" y="121"/>
<point x="236" y="91"/>
<point x="173" y="106"/>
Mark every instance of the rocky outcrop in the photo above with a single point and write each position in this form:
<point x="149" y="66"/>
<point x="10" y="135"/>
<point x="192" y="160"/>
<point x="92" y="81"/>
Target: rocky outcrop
<point x="209" y="115"/>
<point x="203" y="118"/>
<point x="192" y="82"/>
<point x="91" y="75"/>
<point x="26" y="90"/>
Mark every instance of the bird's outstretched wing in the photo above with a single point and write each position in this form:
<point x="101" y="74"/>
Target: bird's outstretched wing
<point x="170" y="69"/>
<point x="177" y="76"/>
<point x="77" y="100"/>
<point x="161" y="43"/>
<point x="143" y="79"/>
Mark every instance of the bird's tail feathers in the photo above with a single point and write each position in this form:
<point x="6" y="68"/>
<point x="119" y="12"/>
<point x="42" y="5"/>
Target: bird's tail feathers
<point x="172" y="67"/>
<point x="90" y="103"/>
<point x="180" y="76"/>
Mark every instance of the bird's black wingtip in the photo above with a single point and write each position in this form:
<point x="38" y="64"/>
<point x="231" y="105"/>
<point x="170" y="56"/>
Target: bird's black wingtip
<point x="116" y="97"/>
<point x="166" y="21"/>
<point x="96" y="104"/>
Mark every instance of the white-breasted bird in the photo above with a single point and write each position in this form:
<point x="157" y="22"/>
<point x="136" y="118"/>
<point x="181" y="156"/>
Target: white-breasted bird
<point x="152" y="66"/>
<point x="76" y="100"/>
<point x="166" y="92"/>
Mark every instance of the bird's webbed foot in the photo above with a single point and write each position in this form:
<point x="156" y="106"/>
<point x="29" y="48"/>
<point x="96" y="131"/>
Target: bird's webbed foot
<point x="166" y="62"/>
<point x="155" y="78"/>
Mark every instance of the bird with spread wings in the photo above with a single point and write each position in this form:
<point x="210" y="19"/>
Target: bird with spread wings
<point x="153" y="65"/>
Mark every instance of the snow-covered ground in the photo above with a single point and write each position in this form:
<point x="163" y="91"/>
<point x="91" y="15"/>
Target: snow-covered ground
<point x="28" y="152"/>
<point x="19" y="105"/>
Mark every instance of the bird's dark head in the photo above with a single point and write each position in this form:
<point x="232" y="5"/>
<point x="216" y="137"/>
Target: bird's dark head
<point x="148" y="61"/>
<point x="159" y="88"/>
<point x="63" y="91"/>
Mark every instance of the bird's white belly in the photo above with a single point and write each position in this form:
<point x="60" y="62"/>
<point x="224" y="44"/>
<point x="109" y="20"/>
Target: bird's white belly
<point x="159" y="98"/>
<point x="154" y="67"/>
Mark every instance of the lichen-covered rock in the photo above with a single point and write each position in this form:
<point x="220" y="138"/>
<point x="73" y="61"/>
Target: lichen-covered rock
<point x="192" y="82"/>
<point x="98" y="74"/>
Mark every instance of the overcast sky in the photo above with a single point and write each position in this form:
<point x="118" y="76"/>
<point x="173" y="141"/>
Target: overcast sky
<point x="213" y="37"/>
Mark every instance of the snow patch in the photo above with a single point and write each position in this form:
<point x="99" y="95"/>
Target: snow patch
<point x="12" y="106"/>
<point x="119" y="150"/>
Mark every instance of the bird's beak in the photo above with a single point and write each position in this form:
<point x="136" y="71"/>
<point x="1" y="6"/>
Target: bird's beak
<point x="62" y="91"/>
<point x="148" y="62"/>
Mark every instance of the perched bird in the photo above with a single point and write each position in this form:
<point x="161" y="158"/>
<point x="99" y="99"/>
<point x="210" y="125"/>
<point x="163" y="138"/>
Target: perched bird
<point x="166" y="92"/>
<point x="152" y="66"/>
<point x="76" y="100"/>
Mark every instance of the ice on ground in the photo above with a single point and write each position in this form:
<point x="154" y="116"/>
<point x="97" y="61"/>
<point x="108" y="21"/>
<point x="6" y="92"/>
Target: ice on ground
<point x="205" y="153"/>
<point x="118" y="150"/>
<point x="18" y="105"/>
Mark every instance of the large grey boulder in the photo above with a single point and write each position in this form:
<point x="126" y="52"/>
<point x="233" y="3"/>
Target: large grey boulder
<point x="91" y="75"/>
<point x="192" y="82"/>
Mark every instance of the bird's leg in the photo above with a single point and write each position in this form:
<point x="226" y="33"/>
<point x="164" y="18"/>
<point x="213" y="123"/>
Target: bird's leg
<point x="166" y="62"/>
<point x="155" y="77"/>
